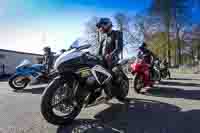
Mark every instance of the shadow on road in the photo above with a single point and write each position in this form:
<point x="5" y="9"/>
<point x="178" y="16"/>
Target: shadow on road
<point x="175" y="93"/>
<point x="176" y="83"/>
<point x="138" y="116"/>
<point x="38" y="90"/>
<point x="184" y="79"/>
<point x="4" y="78"/>
<point x="87" y="126"/>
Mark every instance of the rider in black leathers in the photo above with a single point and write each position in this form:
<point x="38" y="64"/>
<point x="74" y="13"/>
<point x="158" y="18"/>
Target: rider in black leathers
<point x="110" y="47"/>
<point x="145" y="53"/>
<point x="110" y="42"/>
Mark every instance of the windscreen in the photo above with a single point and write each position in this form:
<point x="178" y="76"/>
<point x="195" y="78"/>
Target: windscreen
<point x="24" y="63"/>
<point x="93" y="49"/>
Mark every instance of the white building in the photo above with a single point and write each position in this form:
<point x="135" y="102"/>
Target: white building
<point x="10" y="59"/>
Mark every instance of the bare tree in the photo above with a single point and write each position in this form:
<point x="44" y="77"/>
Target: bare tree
<point x="180" y="21"/>
<point x="122" y="21"/>
<point x="135" y="29"/>
<point x="171" y="13"/>
<point x="147" y="25"/>
<point x="162" y="8"/>
<point x="196" y="40"/>
<point x="127" y="25"/>
<point x="92" y="34"/>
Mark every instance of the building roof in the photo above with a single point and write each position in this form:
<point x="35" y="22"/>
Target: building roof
<point x="19" y="52"/>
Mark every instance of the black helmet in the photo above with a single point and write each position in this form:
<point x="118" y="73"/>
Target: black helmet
<point x="104" y="21"/>
<point x="47" y="49"/>
<point x="144" y="45"/>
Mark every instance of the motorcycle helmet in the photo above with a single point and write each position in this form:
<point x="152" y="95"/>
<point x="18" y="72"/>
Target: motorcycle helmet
<point x="47" y="49"/>
<point x="104" y="23"/>
<point x="143" y="46"/>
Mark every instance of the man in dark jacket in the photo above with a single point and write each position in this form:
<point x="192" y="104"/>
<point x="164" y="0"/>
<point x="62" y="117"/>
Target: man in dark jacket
<point x="110" y="44"/>
<point x="48" y="59"/>
<point x="145" y="53"/>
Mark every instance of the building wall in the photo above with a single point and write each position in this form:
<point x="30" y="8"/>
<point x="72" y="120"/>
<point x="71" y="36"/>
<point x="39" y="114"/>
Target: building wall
<point x="12" y="59"/>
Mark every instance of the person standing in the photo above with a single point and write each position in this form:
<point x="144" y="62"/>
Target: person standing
<point x="48" y="59"/>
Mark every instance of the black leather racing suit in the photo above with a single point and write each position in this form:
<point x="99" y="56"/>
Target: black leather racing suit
<point x="109" y="49"/>
<point x="147" y="55"/>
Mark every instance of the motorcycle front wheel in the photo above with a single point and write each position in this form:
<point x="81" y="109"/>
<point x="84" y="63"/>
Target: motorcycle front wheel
<point x="123" y="87"/>
<point x="169" y="74"/>
<point x="138" y="83"/>
<point x="165" y="74"/>
<point x="59" y="105"/>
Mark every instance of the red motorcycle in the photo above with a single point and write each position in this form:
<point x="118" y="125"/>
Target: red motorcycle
<point x="143" y="74"/>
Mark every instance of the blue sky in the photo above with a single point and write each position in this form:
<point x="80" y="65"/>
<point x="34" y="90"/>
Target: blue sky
<point x="29" y="25"/>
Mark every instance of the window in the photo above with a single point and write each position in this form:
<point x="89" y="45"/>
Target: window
<point x="2" y="56"/>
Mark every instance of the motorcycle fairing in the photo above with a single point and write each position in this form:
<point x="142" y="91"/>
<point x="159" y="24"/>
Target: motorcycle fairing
<point x="98" y="71"/>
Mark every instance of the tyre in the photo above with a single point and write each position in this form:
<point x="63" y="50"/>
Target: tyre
<point x="58" y="105"/>
<point x="157" y="75"/>
<point x="138" y="83"/>
<point x="165" y="74"/>
<point x="169" y="74"/>
<point x="123" y="90"/>
<point x="18" y="82"/>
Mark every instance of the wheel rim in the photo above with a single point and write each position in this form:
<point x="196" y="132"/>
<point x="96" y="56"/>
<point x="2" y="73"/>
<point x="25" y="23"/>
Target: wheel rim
<point x="19" y="81"/>
<point x="63" y="102"/>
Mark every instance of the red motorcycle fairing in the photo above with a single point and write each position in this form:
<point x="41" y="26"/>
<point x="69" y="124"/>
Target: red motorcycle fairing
<point x="143" y="69"/>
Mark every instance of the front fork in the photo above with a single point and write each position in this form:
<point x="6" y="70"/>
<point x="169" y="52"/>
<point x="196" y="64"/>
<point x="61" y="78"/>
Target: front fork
<point x="95" y="97"/>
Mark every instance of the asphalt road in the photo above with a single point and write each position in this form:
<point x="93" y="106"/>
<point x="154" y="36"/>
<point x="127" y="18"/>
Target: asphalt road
<point x="171" y="107"/>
